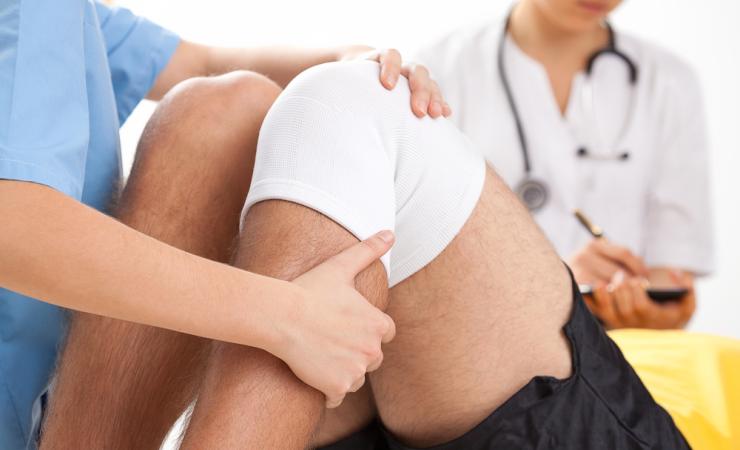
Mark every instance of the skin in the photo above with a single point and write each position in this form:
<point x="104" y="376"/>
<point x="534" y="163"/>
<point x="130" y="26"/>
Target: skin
<point x="152" y="283"/>
<point x="561" y="35"/>
<point x="623" y="303"/>
<point x="201" y="135"/>
<point x="114" y="357"/>
<point x="249" y="389"/>
<point x="282" y="64"/>
<point x="490" y="307"/>
<point x="245" y="387"/>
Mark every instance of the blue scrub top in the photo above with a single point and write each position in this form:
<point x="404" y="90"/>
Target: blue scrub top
<point x="71" y="71"/>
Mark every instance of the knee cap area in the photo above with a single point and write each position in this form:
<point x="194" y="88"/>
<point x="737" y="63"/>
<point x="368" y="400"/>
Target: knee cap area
<point x="239" y="92"/>
<point x="346" y="84"/>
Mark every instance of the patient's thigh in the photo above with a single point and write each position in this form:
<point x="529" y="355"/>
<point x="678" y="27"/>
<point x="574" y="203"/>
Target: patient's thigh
<point x="475" y="325"/>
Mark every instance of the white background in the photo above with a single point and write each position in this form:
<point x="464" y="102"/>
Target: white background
<point x="706" y="33"/>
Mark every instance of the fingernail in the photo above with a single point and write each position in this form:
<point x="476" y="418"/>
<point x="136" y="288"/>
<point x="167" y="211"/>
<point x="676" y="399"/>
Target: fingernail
<point x="386" y="236"/>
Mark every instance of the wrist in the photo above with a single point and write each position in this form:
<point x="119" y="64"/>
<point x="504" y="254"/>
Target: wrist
<point x="245" y="308"/>
<point x="277" y="308"/>
<point x="350" y="51"/>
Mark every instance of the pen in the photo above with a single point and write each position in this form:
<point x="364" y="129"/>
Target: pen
<point x="595" y="230"/>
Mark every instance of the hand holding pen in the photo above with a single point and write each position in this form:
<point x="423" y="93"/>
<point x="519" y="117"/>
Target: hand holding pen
<point x="600" y="260"/>
<point x="617" y="281"/>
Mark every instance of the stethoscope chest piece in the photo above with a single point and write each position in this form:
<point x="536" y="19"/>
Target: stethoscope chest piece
<point x="533" y="193"/>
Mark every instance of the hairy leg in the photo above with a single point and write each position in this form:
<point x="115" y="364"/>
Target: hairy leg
<point x="482" y="318"/>
<point x="478" y="315"/>
<point x="475" y="325"/>
<point x="250" y="399"/>
<point x="122" y="385"/>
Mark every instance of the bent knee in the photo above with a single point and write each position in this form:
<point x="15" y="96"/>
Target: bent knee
<point x="350" y="86"/>
<point x="213" y="120"/>
<point x="238" y="95"/>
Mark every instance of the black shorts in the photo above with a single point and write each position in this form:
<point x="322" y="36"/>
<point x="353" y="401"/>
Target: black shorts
<point x="603" y="405"/>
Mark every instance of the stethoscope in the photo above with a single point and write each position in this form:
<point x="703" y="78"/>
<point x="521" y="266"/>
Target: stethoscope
<point x="534" y="192"/>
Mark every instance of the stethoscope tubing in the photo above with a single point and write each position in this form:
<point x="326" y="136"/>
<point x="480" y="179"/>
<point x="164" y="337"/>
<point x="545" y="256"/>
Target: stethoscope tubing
<point x="524" y="148"/>
<point x="610" y="49"/>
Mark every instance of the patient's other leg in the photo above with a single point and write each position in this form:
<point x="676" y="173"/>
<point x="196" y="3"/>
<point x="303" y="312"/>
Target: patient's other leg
<point x="250" y="399"/>
<point x="121" y="385"/>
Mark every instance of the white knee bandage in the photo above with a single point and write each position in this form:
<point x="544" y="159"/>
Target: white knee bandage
<point x="337" y="142"/>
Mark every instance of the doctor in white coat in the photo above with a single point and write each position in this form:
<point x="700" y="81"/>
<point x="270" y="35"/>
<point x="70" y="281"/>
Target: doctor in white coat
<point x="573" y="114"/>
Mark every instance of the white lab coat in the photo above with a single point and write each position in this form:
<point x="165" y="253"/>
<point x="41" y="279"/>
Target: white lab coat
<point x="656" y="203"/>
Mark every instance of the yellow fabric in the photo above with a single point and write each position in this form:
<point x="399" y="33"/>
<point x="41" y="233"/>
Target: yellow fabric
<point x="695" y="377"/>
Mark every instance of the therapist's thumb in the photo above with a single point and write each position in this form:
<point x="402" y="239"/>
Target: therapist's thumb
<point x="355" y="259"/>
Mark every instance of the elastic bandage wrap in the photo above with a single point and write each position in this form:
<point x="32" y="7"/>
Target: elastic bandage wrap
<point x="338" y="142"/>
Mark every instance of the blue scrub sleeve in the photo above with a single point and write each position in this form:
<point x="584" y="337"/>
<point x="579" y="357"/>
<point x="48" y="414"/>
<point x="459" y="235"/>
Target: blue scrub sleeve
<point x="137" y="50"/>
<point x="44" y="124"/>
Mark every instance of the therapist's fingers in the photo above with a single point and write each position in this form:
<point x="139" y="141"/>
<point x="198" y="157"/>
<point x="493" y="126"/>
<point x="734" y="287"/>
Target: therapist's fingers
<point x="421" y="88"/>
<point x="436" y="105"/>
<point x="334" y="402"/>
<point x="621" y="255"/>
<point x="390" y="67"/>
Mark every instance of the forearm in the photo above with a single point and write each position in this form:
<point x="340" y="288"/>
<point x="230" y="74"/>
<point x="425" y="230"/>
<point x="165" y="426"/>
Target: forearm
<point x="58" y="250"/>
<point x="281" y="64"/>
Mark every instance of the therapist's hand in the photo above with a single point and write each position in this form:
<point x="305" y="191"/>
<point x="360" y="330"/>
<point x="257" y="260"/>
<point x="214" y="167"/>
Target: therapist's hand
<point x="600" y="260"/>
<point x="334" y="335"/>
<point x="426" y="97"/>
<point x="623" y="303"/>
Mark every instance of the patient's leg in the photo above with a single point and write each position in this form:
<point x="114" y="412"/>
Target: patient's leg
<point x="251" y="400"/>
<point x="478" y="322"/>
<point x="478" y="295"/>
<point x="462" y="350"/>
<point x="121" y="385"/>
<point x="475" y="325"/>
